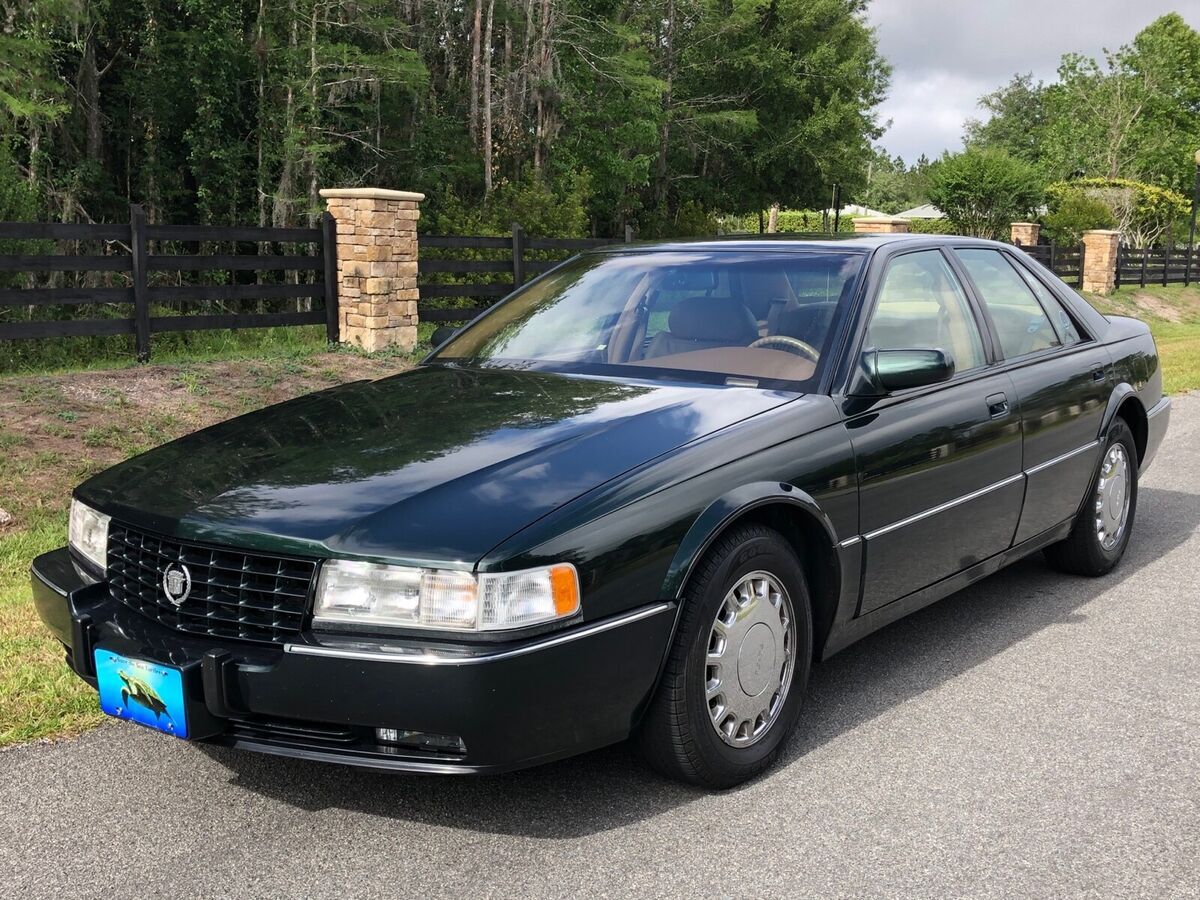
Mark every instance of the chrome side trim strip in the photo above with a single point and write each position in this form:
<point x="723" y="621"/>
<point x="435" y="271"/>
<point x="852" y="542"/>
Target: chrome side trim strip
<point x="425" y="658"/>
<point x="949" y="504"/>
<point x="1063" y="458"/>
<point x="850" y="542"/>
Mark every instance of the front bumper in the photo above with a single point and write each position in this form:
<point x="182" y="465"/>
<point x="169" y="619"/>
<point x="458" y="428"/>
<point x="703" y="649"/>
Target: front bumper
<point x="513" y="704"/>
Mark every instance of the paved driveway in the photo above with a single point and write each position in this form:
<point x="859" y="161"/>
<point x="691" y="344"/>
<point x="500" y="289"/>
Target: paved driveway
<point x="1034" y="735"/>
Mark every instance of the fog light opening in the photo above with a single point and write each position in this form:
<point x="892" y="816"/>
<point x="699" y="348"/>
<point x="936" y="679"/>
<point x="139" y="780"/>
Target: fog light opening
<point x="421" y="740"/>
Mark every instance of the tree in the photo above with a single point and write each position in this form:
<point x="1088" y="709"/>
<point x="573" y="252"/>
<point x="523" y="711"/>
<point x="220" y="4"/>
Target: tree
<point x="1017" y="120"/>
<point x="892" y="186"/>
<point x="983" y="191"/>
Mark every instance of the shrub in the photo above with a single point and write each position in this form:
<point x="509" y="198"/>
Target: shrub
<point x="1073" y="212"/>
<point x="983" y="191"/>
<point x="1144" y="213"/>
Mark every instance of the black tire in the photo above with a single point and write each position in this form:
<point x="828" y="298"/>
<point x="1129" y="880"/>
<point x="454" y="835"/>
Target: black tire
<point x="1082" y="552"/>
<point x="677" y="736"/>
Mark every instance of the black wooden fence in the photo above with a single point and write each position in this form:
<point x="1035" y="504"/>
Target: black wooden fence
<point x="139" y="282"/>
<point x="1065" y="262"/>
<point x="459" y="277"/>
<point x="1157" y="265"/>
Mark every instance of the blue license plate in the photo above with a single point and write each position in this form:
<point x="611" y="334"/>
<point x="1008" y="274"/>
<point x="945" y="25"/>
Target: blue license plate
<point x="142" y="692"/>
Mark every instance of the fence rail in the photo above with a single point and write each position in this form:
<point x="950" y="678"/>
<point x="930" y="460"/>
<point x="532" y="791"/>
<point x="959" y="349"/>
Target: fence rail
<point x="458" y="279"/>
<point x="313" y="277"/>
<point x="1157" y="265"/>
<point x="1065" y="262"/>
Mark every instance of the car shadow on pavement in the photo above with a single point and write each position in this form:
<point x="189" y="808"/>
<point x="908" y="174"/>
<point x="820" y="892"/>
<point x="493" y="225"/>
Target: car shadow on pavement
<point x="610" y="788"/>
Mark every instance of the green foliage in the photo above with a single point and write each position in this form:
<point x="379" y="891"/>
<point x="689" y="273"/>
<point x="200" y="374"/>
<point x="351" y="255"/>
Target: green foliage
<point x="1073" y="212"/>
<point x="983" y="191"/>
<point x="931" y="226"/>
<point x="1135" y="114"/>
<point x="1017" y="122"/>
<point x="892" y="186"/>
<point x="541" y="209"/>
<point x="229" y="112"/>
<point x="789" y="221"/>
<point x="1145" y="214"/>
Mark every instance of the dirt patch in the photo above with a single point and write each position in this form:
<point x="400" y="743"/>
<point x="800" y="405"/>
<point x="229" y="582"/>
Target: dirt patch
<point x="56" y="430"/>
<point x="1156" y="306"/>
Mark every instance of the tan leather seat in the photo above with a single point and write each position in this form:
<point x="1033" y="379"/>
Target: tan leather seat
<point x="701" y="323"/>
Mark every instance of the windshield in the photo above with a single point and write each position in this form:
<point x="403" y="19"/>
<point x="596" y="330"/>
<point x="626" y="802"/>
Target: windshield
<point x="734" y="317"/>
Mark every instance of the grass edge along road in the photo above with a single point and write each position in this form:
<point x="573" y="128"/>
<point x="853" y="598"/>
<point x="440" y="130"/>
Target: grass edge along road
<point x="56" y="429"/>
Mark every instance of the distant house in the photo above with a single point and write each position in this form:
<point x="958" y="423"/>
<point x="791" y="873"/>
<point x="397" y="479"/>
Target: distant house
<point x="852" y="210"/>
<point x="924" y="211"/>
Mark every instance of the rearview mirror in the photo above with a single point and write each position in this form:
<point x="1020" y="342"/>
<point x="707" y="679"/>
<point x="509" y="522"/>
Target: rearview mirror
<point x="897" y="370"/>
<point x="441" y="334"/>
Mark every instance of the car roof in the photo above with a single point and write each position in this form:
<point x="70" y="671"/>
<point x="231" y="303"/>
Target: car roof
<point x="862" y="243"/>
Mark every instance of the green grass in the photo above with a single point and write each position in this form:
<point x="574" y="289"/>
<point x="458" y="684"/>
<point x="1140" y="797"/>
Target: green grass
<point x="1173" y="314"/>
<point x="39" y="696"/>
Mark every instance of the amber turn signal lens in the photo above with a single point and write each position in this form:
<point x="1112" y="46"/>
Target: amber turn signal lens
<point x="564" y="584"/>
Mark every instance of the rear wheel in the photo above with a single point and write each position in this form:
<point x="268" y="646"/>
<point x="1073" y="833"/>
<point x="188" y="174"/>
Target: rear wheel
<point x="1101" y="531"/>
<point x="738" y="669"/>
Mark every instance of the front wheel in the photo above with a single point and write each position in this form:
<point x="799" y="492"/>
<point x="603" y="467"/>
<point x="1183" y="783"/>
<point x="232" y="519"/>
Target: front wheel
<point x="1101" y="531"/>
<point x="738" y="668"/>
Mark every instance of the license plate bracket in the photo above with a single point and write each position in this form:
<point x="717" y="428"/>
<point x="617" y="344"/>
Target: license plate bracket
<point x="142" y="691"/>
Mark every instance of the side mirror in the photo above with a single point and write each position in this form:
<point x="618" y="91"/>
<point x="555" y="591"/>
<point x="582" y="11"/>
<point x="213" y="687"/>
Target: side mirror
<point x="885" y="371"/>
<point x="441" y="334"/>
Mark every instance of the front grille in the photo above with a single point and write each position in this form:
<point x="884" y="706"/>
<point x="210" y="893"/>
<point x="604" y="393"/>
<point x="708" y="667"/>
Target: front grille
<point x="247" y="596"/>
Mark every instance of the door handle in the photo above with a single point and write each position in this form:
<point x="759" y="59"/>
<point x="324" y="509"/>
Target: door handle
<point x="997" y="405"/>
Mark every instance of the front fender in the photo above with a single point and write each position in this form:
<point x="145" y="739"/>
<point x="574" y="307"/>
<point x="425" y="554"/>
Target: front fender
<point x="725" y="509"/>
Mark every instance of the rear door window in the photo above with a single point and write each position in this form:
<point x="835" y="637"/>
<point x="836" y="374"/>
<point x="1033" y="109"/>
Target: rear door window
<point x="1068" y="331"/>
<point x="1021" y="323"/>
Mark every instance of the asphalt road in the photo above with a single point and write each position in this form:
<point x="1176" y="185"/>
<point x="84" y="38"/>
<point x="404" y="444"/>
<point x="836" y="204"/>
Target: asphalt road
<point x="1035" y="735"/>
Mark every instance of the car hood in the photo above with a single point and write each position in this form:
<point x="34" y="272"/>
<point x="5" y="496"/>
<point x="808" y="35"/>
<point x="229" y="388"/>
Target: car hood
<point x="436" y="464"/>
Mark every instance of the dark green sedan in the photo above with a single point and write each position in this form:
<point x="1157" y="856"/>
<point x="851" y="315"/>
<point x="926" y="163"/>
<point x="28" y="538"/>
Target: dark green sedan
<point x="637" y="499"/>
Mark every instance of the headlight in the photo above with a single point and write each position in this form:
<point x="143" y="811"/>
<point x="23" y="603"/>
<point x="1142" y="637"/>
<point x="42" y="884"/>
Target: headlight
<point x="88" y="533"/>
<point x="373" y="594"/>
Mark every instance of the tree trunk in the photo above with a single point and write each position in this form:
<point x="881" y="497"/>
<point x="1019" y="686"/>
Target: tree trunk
<point x="473" y="107"/>
<point x="773" y="219"/>
<point x="545" y="72"/>
<point x="89" y="96"/>
<point x="486" y="138"/>
<point x="661" y="181"/>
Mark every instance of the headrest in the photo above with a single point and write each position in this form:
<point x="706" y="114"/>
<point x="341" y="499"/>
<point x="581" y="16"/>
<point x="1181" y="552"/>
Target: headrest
<point x="713" y="319"/>
<point x="762" y="286"/>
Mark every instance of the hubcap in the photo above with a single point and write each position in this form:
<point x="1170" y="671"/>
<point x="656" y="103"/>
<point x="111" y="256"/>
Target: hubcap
<point x="751" y="654"/>
<point x="1112" y="497"/>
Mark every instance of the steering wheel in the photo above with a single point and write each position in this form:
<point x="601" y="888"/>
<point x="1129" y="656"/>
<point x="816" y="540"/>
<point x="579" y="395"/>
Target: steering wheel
<point x="789" y="344"/>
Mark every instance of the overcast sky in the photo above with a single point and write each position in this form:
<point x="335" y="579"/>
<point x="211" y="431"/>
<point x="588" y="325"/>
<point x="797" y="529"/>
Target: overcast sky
<point x="945" y="54"/>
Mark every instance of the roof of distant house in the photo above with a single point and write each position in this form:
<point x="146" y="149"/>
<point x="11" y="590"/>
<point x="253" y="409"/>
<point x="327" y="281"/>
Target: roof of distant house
<point x="856" y="209"/>
<point x="924" y="211"/>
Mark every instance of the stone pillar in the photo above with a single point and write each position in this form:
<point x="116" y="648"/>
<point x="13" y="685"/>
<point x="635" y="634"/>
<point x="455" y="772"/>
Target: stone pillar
<point x="377" y="265"/>
<point x="1025" y="234"/>
<point x="1100" y="261"/>
<point x="880" y="225"/>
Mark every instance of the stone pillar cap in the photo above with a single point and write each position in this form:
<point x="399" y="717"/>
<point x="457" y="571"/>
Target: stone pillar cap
<point x="1101" y="231"/>
<point x="883" y="220"/>
<point x="367" y="193"/>
<point x="1033" y="224"/>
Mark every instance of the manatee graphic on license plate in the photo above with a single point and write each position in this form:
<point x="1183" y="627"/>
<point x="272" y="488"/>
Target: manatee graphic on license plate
<point x="141" y="691"/>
